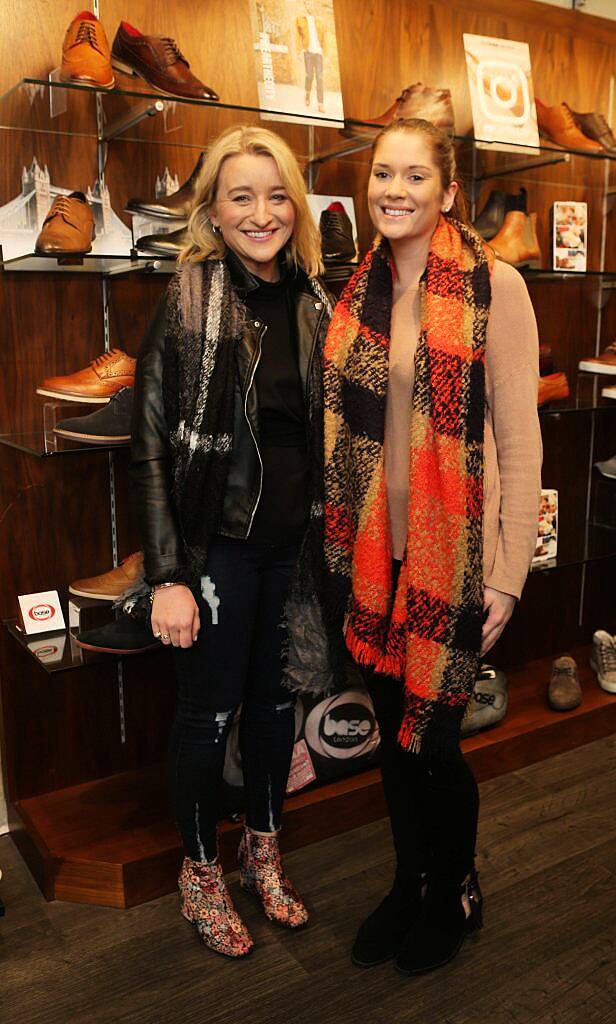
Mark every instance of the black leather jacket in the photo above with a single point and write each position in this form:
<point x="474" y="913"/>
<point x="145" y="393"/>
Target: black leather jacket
<point x="150" y="450"/>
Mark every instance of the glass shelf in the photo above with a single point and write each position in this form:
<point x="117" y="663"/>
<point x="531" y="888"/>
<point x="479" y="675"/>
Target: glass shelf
<point x="146" y="115"/>
<point x="57" y="652"/>
<point x="90" y="264"/>
<point x="45" y="443"/>
<point x="599" y="544"/>
<point x="606" y="278"/>
<point x="564" y="408"/>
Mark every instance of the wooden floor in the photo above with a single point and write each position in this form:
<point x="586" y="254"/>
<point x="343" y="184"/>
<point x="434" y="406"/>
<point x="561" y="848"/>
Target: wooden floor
<point x="547" y="856"/>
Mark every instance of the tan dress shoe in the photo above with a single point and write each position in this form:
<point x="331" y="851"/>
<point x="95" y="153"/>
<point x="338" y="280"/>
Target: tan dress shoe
<point x="86" y="57"/>
<point x="605" y="363"/>
<point x="595" y="126"/>
<point x="558" y="125"/>
<point x="417" y="100"/>
<point x="98" y="382"/>
<point x="110" y="586"/>
<point x="552" y="387"/>
<point x="517" y="241"/>
<point x="564" y="690"/>
<point x="68" y="228"/>
<point x="158" y="60"/>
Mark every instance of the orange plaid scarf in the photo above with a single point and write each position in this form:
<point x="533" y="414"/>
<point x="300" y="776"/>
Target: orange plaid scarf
<point x="428" y="633"/>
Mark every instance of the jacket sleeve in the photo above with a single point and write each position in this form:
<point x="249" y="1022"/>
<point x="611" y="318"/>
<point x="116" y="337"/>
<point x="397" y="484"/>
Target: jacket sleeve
<point x="512" y="362"/>
<point x="150" y="467"/>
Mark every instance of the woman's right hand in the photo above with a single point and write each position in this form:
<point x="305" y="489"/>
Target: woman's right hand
<point x="175" y="616"/>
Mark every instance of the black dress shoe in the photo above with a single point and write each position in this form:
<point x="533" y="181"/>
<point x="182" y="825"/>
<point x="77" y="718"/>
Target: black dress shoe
<point x="442" y="927"/>
<point x="382" y="934"/>
<point x="499" y="204"/>
<point x="337" y="242"/>
<point x="126" y="635"/>
<point x="178" y="206"/>
<point x="168" y="245"/>
<point x="108" y="425"/>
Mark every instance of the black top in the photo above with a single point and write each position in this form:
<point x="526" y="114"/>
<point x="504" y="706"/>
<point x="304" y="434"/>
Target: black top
<point x="283" y="507"/>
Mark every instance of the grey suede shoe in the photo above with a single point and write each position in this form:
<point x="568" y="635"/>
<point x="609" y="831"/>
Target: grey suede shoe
<point x="488" y="703"/>
<point x="564" y="690"/>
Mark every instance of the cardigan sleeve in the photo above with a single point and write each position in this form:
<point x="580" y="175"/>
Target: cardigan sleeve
<point x="512" y="372"/>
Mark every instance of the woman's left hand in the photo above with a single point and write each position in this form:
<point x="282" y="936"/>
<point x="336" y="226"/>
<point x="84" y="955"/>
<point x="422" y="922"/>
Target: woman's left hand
<point x="499" y="607"/>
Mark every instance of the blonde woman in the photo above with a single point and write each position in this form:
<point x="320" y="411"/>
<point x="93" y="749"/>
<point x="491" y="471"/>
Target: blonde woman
<point x="227" y="423"/>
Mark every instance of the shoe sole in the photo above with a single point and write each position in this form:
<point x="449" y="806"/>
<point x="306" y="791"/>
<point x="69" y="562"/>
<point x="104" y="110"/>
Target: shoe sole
<point x="373" y="963"/>
<point x="608" y="687"/>
<point x="608" y="392"/>
<point x="92" y="438"/>
<point x="433" y="967"/>
<point x="116" y="650"/>
<point x="93" y="595"/>
<point x="602" y="368"/>
<point x="84" y="80"/>
<point x="125" y="69"/>
<point x="73" y="397"/>
<point x="145" y="211"/>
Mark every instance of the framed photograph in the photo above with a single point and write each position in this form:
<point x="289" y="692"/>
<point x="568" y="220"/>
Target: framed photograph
<point x="296" y="60"/>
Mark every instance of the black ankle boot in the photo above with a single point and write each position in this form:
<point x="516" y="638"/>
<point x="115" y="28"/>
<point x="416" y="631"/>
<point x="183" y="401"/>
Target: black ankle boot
<point x="442" y="926"/>
<point x="382" y="934"/>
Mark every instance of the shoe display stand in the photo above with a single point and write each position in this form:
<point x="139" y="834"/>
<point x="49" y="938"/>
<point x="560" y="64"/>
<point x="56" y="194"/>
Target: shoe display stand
<point x="84" y="735"/>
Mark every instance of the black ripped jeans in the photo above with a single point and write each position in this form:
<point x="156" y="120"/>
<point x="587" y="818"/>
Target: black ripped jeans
<point x="237" y="659"/>
<point x="432" y="797"/>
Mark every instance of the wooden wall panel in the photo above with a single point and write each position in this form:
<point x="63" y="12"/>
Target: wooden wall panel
<point x="54" y="514"/>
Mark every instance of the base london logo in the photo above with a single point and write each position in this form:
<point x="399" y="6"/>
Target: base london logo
<point x="42" y="612"/>
<point x="343" y="726"/>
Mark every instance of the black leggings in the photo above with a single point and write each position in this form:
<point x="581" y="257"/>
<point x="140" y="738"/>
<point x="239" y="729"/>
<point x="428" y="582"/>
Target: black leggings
<point x="433" y="800"/>
<point x="238" y="659"/>
<point x="432" y="797"/>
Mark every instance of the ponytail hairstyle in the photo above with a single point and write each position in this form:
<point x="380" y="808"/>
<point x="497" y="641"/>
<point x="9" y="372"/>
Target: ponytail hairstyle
<point x="444" y="156"/>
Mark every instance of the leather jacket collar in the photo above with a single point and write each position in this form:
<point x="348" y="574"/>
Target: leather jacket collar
<point x="244" y="282"/>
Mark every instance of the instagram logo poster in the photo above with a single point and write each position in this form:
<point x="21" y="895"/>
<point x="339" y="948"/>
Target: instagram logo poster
<point x="296" y="59"/>
<point x="502" y="97"/>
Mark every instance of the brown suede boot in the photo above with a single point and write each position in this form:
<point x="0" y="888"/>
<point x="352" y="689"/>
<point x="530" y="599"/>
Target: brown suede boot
<point x="517" y="241"/>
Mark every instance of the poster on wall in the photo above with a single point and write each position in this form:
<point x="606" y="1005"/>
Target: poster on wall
<point x="296" y="60"/>
<point x="502" y="97"/>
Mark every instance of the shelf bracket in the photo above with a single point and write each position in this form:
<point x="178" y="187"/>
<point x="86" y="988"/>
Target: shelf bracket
<point x="123" y="124"/>
<point x="311" y="170"/>
<point x="532" y="165"/>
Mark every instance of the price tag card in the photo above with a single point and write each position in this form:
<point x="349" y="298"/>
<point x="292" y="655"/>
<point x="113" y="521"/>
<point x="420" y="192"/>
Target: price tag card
<point x="41" y="613"/>
<point x="302" y="770"/>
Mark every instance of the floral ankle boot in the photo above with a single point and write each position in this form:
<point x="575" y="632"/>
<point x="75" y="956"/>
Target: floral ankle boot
<point x="261" y="873"/>
<point x="205" y="901"/>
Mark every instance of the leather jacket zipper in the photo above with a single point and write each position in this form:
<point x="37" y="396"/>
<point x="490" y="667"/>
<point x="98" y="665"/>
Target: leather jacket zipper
<point x="253" y="371"/>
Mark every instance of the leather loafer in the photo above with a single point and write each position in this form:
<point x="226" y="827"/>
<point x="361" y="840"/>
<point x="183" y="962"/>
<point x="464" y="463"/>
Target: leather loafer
<point x="168" y="245"/>
<point x="86" y="57"/>
<point x="98" y="382"/>
<point x="159" y="61"/>
<point x="178" y="206"/>
<point x="68" y="228"/>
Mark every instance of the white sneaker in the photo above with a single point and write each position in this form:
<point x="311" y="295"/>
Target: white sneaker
<point x="603" y="660"/>
<point x="608" y="392"/>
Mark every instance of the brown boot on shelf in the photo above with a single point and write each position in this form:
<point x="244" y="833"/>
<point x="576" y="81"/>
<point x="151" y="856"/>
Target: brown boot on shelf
<point x="558" y="125"/>
<point x="564" y="690"/>
<point x="417" y="100"/>
<point x="110" y="586"/>
<point x="98" y="382"/>
<point x="206" y="903"/>
<point x="517" y="241"/>
<point x="552" y="387"/>
<point x="68" y="228"/>
<point x="86" y="57"/>
<point x="594" y="126"/>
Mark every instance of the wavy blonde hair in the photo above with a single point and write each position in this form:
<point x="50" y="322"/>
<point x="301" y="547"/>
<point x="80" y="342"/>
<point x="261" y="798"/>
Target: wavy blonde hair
<point x="205" y="243"/>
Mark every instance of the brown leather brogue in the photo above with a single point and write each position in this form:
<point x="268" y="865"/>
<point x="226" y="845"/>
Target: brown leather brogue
<point x="86" y="56"/>
<point x="416" y="100"/>
<point x="552" y="387"/>
<point x="97" y="383"/>
<point x="158" y="60"/>
<point x="68" y="227"/>
<point x="557" y="125"/>
<point x="595" y="126"/>
<point x="179" y="205"/>
<point x="110" y="586"/>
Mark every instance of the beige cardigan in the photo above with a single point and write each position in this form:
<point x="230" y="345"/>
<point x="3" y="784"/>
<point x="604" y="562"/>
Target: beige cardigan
<point x="512" y="442"/>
